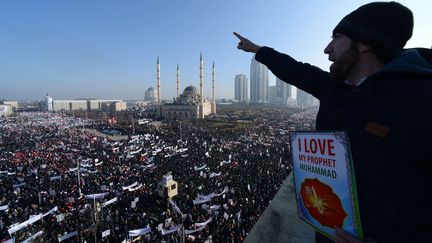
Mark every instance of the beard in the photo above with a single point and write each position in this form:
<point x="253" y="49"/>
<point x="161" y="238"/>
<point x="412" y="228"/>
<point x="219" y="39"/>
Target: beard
<point x="341" y="68"/>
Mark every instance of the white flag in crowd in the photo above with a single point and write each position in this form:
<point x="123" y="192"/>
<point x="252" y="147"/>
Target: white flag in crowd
<point x="106" y="233"/>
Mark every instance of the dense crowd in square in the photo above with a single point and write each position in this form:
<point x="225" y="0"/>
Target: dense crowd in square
<point x="226" y="178"/>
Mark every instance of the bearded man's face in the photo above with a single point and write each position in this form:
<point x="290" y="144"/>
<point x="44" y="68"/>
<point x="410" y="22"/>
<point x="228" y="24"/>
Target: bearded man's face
<point x="344" y="54"/>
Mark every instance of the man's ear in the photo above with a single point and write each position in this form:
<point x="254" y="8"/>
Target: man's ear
<point x="362" y="47"/>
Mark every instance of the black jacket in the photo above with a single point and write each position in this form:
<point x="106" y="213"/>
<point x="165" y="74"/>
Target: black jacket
<point x="388" y="122"/>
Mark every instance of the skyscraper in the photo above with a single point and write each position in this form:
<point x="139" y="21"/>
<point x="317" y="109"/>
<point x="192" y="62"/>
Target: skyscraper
<point x="150" y="95"/>
<point x="283" y="91"/>
<point x="303" y="99"/>
<point x="241" y="88"/>
<point x="259" y="82"/>
<point x="213" y="103"/>
<point x="48" y="103"/>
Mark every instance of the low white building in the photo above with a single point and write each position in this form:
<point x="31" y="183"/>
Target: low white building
<point x="86" y="105"/>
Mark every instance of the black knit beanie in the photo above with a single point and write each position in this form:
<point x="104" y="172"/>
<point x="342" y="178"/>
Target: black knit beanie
<point x="385" y="26"/>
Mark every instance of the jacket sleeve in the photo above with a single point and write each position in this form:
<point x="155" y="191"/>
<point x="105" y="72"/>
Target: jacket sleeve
<point x="302" y="75"/>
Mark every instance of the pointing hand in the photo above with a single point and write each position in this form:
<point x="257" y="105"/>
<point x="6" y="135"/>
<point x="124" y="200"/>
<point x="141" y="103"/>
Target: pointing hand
<point x="246" y="45"/>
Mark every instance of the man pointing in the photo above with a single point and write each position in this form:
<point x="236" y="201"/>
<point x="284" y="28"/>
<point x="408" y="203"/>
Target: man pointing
<point x="380" y="94"/>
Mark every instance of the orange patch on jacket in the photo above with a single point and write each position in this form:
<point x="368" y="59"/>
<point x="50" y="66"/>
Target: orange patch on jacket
<point x="377" y="129"/>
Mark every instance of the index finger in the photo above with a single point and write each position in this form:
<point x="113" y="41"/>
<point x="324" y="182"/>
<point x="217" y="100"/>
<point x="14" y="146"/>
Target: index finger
<point x="238" y="36"/>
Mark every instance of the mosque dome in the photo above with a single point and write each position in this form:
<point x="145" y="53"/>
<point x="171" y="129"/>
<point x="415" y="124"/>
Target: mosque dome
<point x="190" y="95"/>
<point x="190" y="91"/>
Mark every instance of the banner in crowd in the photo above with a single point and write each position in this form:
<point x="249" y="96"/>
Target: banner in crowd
<point x="30" y="221"/>
<point x="73" y="169"/>
<point x="11" y="240"/>
<point x="139" y="232"/>
<point x="18" y="185"/>
<point x="176" y="208"/>
<point x="51" y="211"/>
<point x="4" y="207"/>
<point x="225" y="162"/>
<point x="324" y="182"/>
<point x="54" y="178"/>
<point x="213" y="174"/>
<point x="203" y="199"/>
<point x="136" y="151"/>
<point x="200" y="168"/>
<point x="96" y="196"/>
<point x="215" y="207"/>
<point x="31" y="238"/>
<point x="225" y="190"/>
<point x="67" y="236"/>
<point x="131" y="189"/>
<point x="170" y="230"/>
<point x="182" y="150"/>
<point x="24" y="224"/>
<point x="111" y="201"/>
<point x="127" y="187"/>
<point x="188" y="232"/>
<point x="203" y="223"/>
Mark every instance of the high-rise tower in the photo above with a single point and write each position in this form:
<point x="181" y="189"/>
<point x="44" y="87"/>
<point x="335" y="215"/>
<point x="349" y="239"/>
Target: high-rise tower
<point x="158" y="81"/>
<point x="48" y="103"/>
<point x="283" y="92"/>
<point x="241" y="88"/>
<point x="213" y="104"/>
<point x="201" y="104"/>
<point x="259" y="82"/>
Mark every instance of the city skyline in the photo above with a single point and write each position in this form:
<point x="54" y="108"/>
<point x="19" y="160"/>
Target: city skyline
<point x="108" y="49"/>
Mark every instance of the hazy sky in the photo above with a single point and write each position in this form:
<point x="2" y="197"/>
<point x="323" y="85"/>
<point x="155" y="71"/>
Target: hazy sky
<point x="108" y="48"/>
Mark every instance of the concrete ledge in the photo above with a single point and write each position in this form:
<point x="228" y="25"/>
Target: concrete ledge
<point x="280" y="222"/>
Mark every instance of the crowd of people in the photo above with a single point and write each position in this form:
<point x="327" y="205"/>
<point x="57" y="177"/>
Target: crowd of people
<point x="63" y="183"/>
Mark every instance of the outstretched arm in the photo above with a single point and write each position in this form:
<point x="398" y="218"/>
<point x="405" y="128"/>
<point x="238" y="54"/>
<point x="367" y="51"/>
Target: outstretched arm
<point x="246" y="45"/>
<point x="302" y="75"/>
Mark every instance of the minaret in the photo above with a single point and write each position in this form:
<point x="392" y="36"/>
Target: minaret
<point x="178" y="82"/>
<point x="213" y="104"/>
<point x="158" y="80"/>
<point x="201" y="104"/>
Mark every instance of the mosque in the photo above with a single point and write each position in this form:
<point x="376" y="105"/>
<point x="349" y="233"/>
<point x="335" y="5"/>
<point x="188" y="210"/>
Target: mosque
<point x="191" y="103"/>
